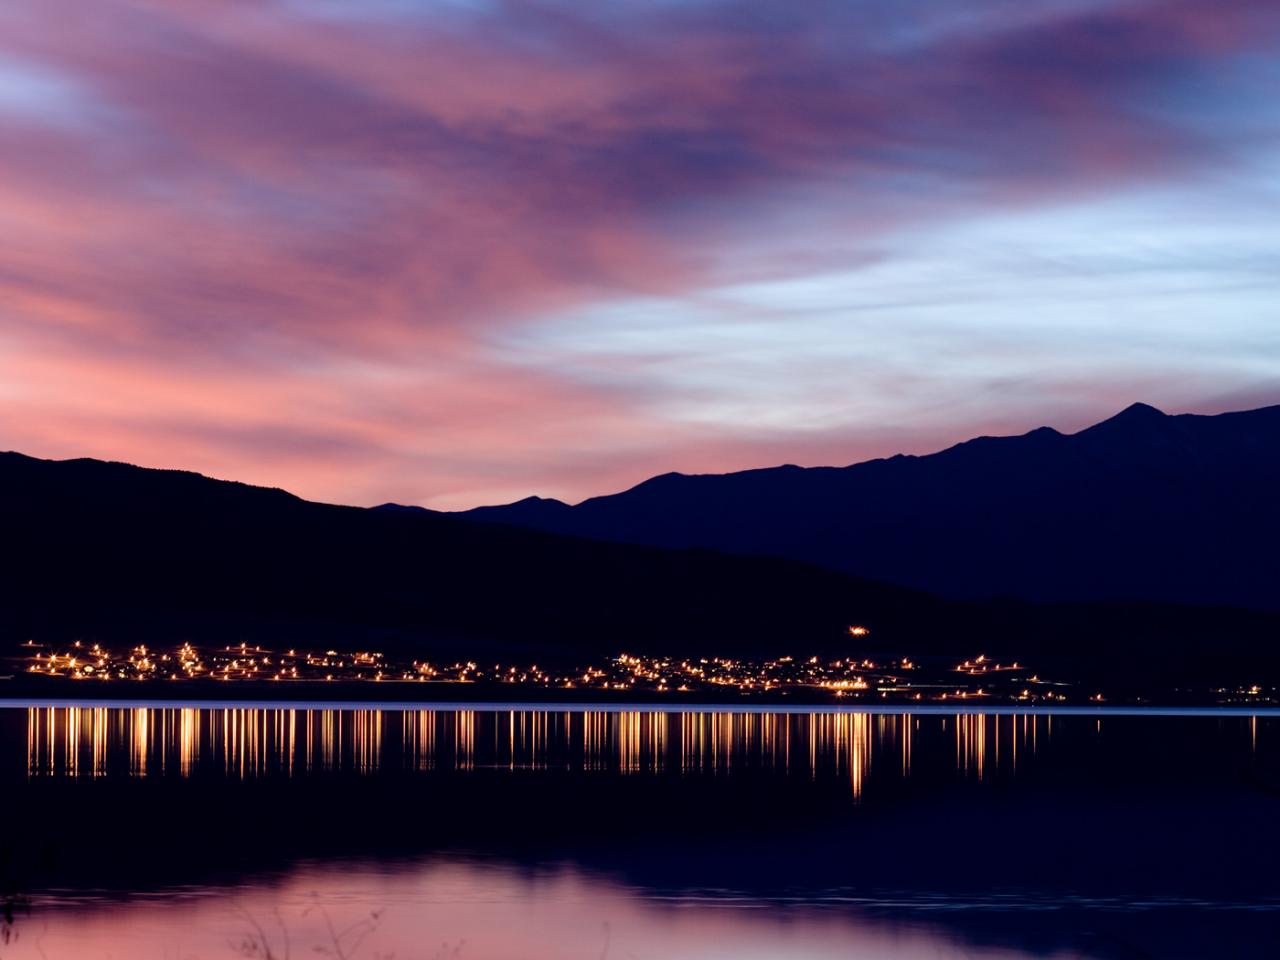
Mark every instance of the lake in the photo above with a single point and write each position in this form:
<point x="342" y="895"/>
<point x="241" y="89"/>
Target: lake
<point x="634" y="833"/>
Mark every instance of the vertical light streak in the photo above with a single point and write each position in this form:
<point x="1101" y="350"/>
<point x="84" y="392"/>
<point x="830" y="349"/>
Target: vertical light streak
<point x="905" y="720"/>
<point x="98" y="733"/>
<point x="141" y="729"/>
<point x="33" y="740"/>
<point x="188" y="740"/>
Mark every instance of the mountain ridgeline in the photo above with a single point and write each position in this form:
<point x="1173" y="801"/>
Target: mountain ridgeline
<point x="96" y="549"/>
<point x="1143" y="506"/>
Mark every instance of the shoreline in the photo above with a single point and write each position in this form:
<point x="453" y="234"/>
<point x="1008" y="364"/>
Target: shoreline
<point x="33" y="691"/>
<point x="596" y="704"/>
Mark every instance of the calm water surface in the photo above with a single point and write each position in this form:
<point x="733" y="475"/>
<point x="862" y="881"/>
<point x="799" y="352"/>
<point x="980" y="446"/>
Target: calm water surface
<point x="185" y="833"/>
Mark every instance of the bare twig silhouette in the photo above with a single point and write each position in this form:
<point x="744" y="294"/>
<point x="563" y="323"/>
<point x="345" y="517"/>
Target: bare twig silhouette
<point x="257" y="944"/>
<point x="343" y="944"/>
<point x="13" y="902"/>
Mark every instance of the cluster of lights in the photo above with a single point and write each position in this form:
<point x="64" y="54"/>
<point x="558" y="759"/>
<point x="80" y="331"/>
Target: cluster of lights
<point x="981" y="664"/>
<point x="1251" y="694"/>
<point x="859" y="678"/>
<point x="669" y="673"/>
<point x="856" y="677"/>
<point x="240" y="662"/>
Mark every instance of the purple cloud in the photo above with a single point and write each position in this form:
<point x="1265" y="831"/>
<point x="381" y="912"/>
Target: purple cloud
<point x="283" y="221"/>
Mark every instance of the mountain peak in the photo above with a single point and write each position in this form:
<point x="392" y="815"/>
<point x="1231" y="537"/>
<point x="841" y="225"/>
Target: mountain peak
<point x="529" y="511"/>
<point x="1137" y="411"/>
<point x="392" y="507"/>
<point x="1135" y="416"/>
<point x="537" y="501"/>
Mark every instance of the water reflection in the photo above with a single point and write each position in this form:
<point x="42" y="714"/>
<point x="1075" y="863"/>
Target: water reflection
<point x="466" y="910"/>
<point x="698" y="834"/>
<point x="143" y="741"/>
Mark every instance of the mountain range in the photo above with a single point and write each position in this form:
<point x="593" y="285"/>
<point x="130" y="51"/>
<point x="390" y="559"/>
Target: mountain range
<point x="1143" y="506"/>
<point x="1022" y="545"/>
<point x="101" y="549"/>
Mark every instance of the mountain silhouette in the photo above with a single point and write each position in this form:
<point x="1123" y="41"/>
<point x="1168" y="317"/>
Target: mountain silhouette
<point x="111" y="551"/>
<point x="1141" y="506"/>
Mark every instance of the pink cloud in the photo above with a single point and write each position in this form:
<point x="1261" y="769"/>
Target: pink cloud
<point x="279" y="247"/>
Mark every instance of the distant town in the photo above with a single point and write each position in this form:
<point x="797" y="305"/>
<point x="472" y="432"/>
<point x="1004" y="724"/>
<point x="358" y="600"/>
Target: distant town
<point x="853" y="677"/>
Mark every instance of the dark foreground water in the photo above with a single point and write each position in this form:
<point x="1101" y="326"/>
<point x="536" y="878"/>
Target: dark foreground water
<point x="195" y="834"/>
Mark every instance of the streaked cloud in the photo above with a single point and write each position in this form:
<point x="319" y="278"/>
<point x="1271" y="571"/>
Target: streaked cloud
<point x="458" y="252"/>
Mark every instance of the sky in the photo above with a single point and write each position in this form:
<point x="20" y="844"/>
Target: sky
<point x="453" y="252"/>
